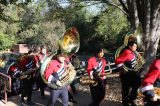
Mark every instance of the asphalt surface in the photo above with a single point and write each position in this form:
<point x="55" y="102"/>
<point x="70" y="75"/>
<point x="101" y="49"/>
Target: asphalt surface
<point x="82" y="99"/>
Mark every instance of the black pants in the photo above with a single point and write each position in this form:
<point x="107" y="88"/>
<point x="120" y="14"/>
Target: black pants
<point x="15" y="87"/>
<point x="97" y="92"/>
<point x="27" y="88"/>
<point x="40" y="84"/>
<point x="55" y="94"/>
<point x="129" y="80"/>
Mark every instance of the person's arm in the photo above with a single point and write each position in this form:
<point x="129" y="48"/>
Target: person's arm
<point x="103" y="68"/>
<point x="150" y="79"/>
<point x="50" y="70"/>
<point x="89" y="68"/>
<point x="37" y="61"/>
<point x="122" y="58"/>
<point x="48" y="73"/>
<point x="21" y="65"/>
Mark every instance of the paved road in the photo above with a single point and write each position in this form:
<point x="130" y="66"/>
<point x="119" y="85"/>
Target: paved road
<point x="82" y="98"/>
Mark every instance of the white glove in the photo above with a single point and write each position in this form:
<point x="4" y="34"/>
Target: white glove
<point x="91" y="74"/>
<point x="155" y="98"/>
<point x="58" y="83"/>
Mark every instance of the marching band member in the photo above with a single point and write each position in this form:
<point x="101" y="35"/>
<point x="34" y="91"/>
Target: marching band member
<point x="53" y="74"/>
<point x="14" y="73"/>
<point x="130" y="78"/>
<point x="28" y="65"/>
<point x="39" y="81"/>
<point x="96" y="66"/>
<point x="72" y="89"/>
<point x="151" y="80"/>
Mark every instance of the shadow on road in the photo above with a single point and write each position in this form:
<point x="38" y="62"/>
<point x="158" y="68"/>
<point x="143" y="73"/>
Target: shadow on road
<point x="82" y="98"/>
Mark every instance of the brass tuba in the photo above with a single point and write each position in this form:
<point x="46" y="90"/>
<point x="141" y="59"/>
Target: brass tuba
<point x="136" y="36"/>
<point x="68" y="44"/>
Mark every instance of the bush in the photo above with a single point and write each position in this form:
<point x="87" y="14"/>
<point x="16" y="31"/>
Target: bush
<point x="6" y="41"/>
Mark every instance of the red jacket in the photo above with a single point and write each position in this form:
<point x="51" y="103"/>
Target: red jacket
<point x="93" y="63"/>
<point x="54" y="70"/>
<point x="28" y="63"/>
<point x="13" y="71"/>
<point x="126" y="55"/>
<point x="152" y="76"/>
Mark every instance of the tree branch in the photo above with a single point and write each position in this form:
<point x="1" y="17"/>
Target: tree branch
<point x="140" y="4"/>
<point x="114" y="5"/>
<point x="124" y="6"/>
<point x="95" y="2"/>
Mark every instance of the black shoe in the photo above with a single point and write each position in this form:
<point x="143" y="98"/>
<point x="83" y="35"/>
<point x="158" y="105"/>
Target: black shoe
<point x="132" y="102"/>
<point x="35" y="89"/>
<point x="125" y="104"/>
<point x="30" y="103"/>
<point x="43" y="97"/>
<point x="73" y="101"/>
<point x="42" y="94"/>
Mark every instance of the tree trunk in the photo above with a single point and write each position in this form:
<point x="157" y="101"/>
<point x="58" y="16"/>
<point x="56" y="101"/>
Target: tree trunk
<point x="133" y="14"/>
<point x="147" y="12"/>
<point x="151" y="32"/>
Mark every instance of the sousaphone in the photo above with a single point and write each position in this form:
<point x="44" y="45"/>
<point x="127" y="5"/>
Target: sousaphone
<point x="136" y="36"/>
<point x="70" y="43"/>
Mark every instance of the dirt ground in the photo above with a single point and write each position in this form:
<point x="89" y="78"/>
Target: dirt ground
<point x="83" y="98"/>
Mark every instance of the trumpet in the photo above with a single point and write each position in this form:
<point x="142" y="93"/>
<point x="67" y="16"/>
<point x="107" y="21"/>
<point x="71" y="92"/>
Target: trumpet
<point x="86" y="80"/>
<point x="27" y="73"/>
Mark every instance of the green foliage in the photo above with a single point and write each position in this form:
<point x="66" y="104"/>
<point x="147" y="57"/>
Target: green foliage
<point x="6" y="41"/>
<point x="110" y="23"/>
<point x="50" y="32"/>
<point x="45" y="21"/>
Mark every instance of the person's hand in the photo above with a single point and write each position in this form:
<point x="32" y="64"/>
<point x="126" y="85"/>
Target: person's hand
<point x="17" y="75"/>
<point x="158" y="97"/>
<point x="91" y="75"/>
<point x="96" y="74"/>
<point x="22" y="73"/>
<point x="70" y="66"/>
<point x="58" y="83"/>
<point x="155" y="98"/>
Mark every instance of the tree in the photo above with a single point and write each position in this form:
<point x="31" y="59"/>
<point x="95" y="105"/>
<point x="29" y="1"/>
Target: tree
<point x="112" y="25"/>
<point x="146" y="12"/>
<point x="9" y="21"/>
<point x="5" y="41"/>
<point x="91" y="25"/>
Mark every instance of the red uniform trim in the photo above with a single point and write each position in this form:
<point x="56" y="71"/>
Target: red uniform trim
<point x="52" y="68"/>
<point x="126" y="55"/>
<point x="92" y="63"/>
